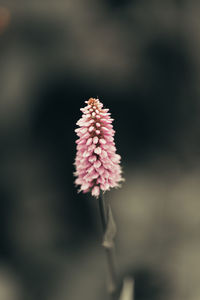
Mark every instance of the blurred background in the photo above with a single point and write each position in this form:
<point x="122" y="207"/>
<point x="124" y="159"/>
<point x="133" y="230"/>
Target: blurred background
<point x="141" y="58"/>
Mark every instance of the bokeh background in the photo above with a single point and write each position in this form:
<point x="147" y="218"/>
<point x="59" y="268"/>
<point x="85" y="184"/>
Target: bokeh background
<point x="141" y="58"/>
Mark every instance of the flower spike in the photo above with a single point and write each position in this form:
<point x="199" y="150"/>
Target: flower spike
<point x="97" y="164"/>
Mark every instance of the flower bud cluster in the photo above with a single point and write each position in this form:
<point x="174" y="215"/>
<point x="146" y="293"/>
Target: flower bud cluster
<point x="97" y="164"/>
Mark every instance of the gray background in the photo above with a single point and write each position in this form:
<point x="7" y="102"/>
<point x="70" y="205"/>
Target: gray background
<point x="141" y="58"/>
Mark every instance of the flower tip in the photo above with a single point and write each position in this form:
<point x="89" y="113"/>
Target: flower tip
<point x="92" y="101"/>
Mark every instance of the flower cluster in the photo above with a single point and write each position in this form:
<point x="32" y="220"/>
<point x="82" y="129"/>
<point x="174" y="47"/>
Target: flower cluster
<point x="97" y="164"/>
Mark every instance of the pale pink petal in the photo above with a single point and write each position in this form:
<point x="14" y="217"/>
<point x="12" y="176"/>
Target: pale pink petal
<point x="97" y="164"/>
<point x="95" y="191"/>
<point x="91" y="128"/>
<point x="89" y="142"/>
<point x="104" y="154"/>
<point x="95" y="140"/>
<point x="102" y="141"/>
<point x="92" y="158"/>
<point x="97" y="150"/>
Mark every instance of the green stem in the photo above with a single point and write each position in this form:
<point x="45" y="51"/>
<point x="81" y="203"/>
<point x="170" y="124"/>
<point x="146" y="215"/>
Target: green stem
<point x="110" y="252"/>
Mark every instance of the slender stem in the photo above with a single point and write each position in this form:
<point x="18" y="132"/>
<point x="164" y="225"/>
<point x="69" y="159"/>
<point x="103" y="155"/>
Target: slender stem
<point x="102" y="210"/>
<point x="110" y="252"/>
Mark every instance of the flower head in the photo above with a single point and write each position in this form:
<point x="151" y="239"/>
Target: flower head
<point x="97" y="164"/>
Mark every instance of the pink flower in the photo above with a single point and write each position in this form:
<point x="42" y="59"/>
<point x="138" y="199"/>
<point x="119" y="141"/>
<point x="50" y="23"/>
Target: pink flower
<point x="97" y="164"/>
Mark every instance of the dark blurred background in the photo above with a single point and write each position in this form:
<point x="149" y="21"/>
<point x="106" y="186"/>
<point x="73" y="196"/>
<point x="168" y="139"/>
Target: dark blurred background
<point x="141" y="58"/>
